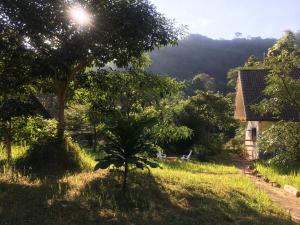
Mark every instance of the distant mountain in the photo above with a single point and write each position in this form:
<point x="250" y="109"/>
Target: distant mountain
<point x="198" y="53"/>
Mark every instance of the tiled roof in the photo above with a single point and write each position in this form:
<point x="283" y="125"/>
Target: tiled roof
<point x="253" y="83"/>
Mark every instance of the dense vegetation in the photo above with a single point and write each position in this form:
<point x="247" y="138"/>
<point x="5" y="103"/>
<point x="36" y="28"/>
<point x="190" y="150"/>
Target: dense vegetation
<point x="199" y="54"/>
<point x="115" y="121"/>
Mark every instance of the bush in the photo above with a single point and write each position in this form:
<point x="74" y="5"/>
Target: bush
<point x="49" y="156"/>
<point x="32" y="129"/>
<point x="236" y="144"/>
<point x="201" y="152"/>
<point x="280" y="144"/>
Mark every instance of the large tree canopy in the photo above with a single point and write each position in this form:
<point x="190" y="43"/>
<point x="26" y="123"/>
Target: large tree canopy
<point x="117" y="31"/>
<point x="282" y="88"/>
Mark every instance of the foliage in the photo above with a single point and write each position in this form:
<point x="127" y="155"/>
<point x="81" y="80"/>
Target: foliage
<point x="32" y="129"/>
<point x="286" y="43"/>
<point x="134" y="91"/>
<point x="15" y="62"/>
<point x="215" y="57"/>
<point x="47" y="157"/>
<point x="119" y="31"/>
<point x="27" y="130"/>
<point x="129" y="144"/>
<point x="200" y="82"/>
<point x="207" y="115"/>
<point x="168" y="130"/>
<point x="76" y="115"/>
<point x="232" y="76"/>
<point x="236" y="144"/>
<point x="282" y="88"/>
<point x="141" y="63"/>
<point x="126" y="91"/>
<point x="252" y="61"/>
<point x="128" y="107"/>
<point x="280" y="143"/>
<point x="15" y="65"/>
<point x="202" y="152"/>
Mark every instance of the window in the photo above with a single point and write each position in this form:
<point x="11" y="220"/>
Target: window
<point x="253" y="133"/>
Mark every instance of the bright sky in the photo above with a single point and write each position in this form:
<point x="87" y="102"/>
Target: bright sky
<point x="223" y="18"/>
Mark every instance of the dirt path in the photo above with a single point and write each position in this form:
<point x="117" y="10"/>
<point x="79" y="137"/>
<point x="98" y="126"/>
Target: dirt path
<point x="277" y="195"/>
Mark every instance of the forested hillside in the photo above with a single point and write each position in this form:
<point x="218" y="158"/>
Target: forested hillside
<point x="198" y="53"/>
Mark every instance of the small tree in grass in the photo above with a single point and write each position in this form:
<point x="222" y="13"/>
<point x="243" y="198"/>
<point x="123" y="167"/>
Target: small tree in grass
<point x="130" y="144"/>
<point x="129" y="105"/>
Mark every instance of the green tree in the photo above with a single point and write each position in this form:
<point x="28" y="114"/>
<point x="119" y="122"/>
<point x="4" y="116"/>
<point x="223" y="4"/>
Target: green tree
<point x="279" y="143"/>
<point x="232" y="76"/>
<point x="131" y="114"/>
<point x="117" y="31"/>
<point x="286" y="43"/>
<point x="126" y="92"/>
<point x="130" y="144"/>
<point x="207" y="114"/>
<point x="15" y="61"/>
<point x="282" y="87"/>
<point x="252" y="61"/>
<point x="200" y="82"/>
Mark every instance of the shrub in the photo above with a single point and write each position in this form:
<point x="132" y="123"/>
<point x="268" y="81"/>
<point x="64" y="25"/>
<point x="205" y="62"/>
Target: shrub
<point x="130" y="144"/>
<point x="201" y="152"/>
<point x="280" y="144"/>
<point x="236" y="144"/>
<point x="48" y="156"/>
<point x="32" y="129"/>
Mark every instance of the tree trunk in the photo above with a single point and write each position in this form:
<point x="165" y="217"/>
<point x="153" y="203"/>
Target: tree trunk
<point x="94" y="137"/>
<point x="61" y="91"/>
<point x="125" y="177"/>
<point x="8" y="141"/>
<point x="208" y="136"/>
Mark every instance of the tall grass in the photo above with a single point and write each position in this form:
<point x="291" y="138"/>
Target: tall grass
<point x="281" y="175"/>
<point x="196" y="167"/>
<point x="182" y="193"/>
<point x="17" y="152"/>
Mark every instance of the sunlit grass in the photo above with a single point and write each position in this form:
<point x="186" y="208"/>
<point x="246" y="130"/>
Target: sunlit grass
<point x="282" y="177"/>
<point x="17" y="152"/>
<point x="86" y="160"/>
<point x="182" y="193"/>
<point x="196" y="167"/>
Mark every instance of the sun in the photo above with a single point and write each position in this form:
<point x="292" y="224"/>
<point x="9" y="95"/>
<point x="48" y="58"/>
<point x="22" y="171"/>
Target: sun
<point x="80" y="16"/>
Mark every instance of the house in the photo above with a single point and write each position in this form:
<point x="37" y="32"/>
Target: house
<point x="250" y="86"/>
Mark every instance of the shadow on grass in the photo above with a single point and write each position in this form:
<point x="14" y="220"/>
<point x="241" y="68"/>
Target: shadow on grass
<point x="147" y="201"/>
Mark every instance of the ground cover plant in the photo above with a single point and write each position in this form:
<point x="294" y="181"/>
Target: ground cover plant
<point x="284" y="175"/>
<point x="180" y="193"/>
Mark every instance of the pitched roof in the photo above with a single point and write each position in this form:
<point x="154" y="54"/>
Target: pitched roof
<point x="29" y="106"/>
<point x="251" y="83"/>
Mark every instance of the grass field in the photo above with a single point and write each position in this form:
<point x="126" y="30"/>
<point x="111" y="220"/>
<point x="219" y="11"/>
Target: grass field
<point x="290" y="176"/>
<point x="182" y="193"/>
